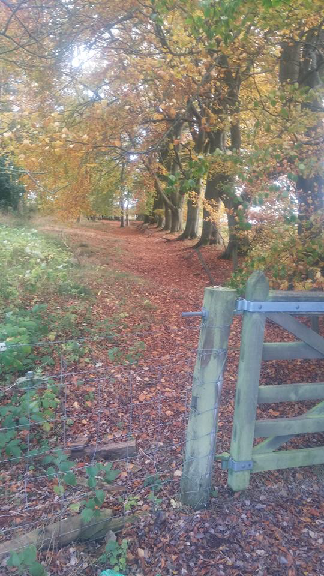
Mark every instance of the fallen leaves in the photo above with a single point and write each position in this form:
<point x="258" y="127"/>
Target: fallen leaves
<point x="275" y="528"/>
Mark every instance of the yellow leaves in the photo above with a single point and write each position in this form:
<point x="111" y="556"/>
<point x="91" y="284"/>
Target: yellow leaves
<point x="157" y="117"/>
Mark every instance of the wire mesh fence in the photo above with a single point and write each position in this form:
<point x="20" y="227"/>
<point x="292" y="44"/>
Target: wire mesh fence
<point x="80" y="436"/>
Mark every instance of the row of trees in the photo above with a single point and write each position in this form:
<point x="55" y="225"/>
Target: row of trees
<point x="216" y="103"/>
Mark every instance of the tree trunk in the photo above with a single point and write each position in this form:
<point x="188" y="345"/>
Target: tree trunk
<point x="310" y="199"/>
<point x="310" y="190"/>
<point x="213" y="193"/>
<point x="122" y="196"/>
<point x="210" y="233"/>
<point x="191" y="228"/>
<point x="167" y="218"/>
<point x="158" y="206"/>
<point x="122" y="217"/>
<point x="303" y="63"/>
<point x="176" y="220"/>
<point x="232" y="246"/>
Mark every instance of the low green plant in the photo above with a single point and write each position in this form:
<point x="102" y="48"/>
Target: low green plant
<point x="116" y="554"/>
<point x="154" y="499"/>
<point x="60" y="468"/>
<point x="73" y="351"/>
<point x="131" y="502"/>
<point x="34" y="401"/>
<point x="26" y="562"/>
<point x="154" y="481"/>
<point x="18" y="332"/>
<point x="95" y="472"/>
<point x="32" y="263"/>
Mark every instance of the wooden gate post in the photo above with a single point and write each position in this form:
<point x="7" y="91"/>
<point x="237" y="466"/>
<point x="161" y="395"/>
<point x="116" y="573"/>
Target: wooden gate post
<point x="207" y="383"/>
<point x="247" y="387"/>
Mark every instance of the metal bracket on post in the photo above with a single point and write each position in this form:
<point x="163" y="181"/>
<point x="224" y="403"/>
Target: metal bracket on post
<point x="290" y="307"/>
<point x="202" y="313"/>
<point x="228" y="463"/>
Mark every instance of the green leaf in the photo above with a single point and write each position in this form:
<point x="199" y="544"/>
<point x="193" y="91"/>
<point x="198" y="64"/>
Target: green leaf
<point x="86" y="515"/>
<point x="75" y="507"/>
<point x="30" y="555"/>
<point x="92" y="481"/>
<point x="70" y="479"/>
<point x="111" y="546"/>
<point x="14" y="560"/>
<point x="111" y="475"/>
<point x="59" y="490"/>
<point x="124" y="544"/>
<point x="100" y="496"/>
<point x="91" y="503"/>
<point x="36" y="569"/>
<point x="65" y="466"/>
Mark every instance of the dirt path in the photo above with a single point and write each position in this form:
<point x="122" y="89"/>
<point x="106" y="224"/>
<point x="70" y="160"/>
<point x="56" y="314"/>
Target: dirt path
<point x="274" y="528"/>
<point x="152" y="253"/>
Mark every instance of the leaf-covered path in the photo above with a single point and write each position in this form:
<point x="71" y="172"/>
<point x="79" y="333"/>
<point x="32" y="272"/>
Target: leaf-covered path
<point x="275" y="527"/>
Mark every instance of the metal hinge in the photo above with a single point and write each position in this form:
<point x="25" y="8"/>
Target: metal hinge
<point x="228" y="463"/>
<point x="290" y="307"/>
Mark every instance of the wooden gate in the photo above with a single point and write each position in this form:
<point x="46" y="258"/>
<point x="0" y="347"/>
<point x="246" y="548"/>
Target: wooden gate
<point x="281" y="308"/>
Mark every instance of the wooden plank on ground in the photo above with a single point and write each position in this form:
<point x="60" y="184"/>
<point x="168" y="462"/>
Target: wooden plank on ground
<point x="291" y="392"/>
<point x="288" y="459"/>
<point x="289" y="351"/>
<point x="285" y="426"/>
<point x="111" y="451"/>
<point x="299" y="330"/>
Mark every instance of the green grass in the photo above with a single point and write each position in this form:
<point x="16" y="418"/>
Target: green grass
<point x="47" y="295"/>
<point x="49" y="312"/>
<point x="33" y="264"/>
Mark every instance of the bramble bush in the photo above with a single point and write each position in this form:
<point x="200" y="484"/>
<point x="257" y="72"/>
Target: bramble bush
<point x="290" y="260"/>
<point x="30" y="264"/>
<point x="38" y="276"/>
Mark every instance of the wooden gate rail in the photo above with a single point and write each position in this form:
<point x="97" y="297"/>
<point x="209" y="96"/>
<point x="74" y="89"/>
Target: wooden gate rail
<point x="244" y="458"/>
<point x="220" y="304"/>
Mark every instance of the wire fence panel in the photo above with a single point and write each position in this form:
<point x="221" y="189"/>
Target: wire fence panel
<point x="80" y="436"/>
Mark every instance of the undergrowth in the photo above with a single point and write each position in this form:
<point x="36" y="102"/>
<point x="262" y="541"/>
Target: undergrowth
<point x="46" y="318"/>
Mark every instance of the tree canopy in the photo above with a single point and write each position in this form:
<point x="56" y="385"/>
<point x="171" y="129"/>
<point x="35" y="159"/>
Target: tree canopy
<point x="216" y="104"/>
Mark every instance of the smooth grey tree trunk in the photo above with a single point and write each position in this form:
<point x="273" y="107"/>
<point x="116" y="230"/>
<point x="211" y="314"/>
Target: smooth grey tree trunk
<point x="191" y="228"/>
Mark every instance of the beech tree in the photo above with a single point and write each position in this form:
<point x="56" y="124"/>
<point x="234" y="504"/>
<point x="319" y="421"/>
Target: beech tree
<point x="222" y="95"/>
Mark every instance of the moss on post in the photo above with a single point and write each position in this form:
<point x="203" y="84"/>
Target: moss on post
<point x="207" y="384"/>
